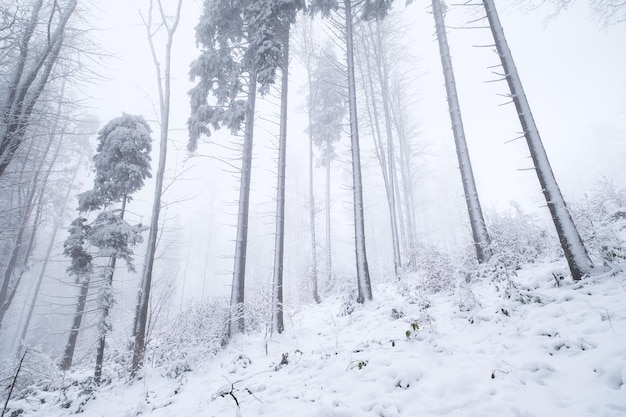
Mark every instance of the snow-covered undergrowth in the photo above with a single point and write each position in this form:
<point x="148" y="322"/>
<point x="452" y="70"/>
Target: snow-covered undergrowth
<point x="502" y="345"/>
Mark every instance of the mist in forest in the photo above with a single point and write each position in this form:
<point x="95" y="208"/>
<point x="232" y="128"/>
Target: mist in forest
<point x="573" y="74"/>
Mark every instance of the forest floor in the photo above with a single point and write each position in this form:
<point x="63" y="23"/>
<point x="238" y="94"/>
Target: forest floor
<point x="521" y="348"/>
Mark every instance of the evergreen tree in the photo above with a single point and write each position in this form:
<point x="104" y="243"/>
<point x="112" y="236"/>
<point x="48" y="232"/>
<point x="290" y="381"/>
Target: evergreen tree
<point x="240" y="55"/>
<point x="122" y="163"/>
<point x="578" y="259"/>
<point x="370" y="9"/>
<point x="477" y="221"/>
<point x="328" y="108"/>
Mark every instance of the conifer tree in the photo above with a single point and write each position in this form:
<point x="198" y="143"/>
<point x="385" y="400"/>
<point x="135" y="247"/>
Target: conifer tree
<point x="240" y="53"/>
<point x="121" y="163"/>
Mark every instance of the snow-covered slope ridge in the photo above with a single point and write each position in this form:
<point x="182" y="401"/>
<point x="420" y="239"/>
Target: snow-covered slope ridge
<point x="545" y="351"/>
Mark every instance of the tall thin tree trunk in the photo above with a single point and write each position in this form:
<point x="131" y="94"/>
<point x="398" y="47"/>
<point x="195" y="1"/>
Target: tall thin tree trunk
<point x="279" y="247"/>
<point x="408" y="200"/>
<point x="68" y="353"/>
<point x="383" y="75"/>
<point x="366" y="72"/>
<point x="477" y="222"/>
<point x="314" y="269"/>
<point x="363" y="275"/>
<point x="237" y="322"/>
<point x="576" y="254"/>
<point x="70" y="347"/>
<point x="164" y="87"/>
<point x="10" y="282"/>
<point x="103" y="328"/>
<point x="329" y="252"/>
<point x="22" y="339"/>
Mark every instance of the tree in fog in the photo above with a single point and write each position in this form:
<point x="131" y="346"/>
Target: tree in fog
<point x="240" y="53"/>
<point x="59" y="191"/>
<point x="306" y="49"/>
<point x="24" y="189"/>
<point x="121" y="163"/>
<point x="164" y="87"/>
<point x="387" y="71"/>
<point x="575" y="252"/>
<point x="76" y="248"/>
<point x="373" y="63"/>
<point x="369" y="10"/>
<point x="326" y="107"/>
<point x="278" y="324"/>
<point x="328" y="110"/>
<point x="32" y="38"/>
<point x="477" y="221"/>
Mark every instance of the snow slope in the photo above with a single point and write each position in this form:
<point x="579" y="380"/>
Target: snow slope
<point x="546" y="351"/>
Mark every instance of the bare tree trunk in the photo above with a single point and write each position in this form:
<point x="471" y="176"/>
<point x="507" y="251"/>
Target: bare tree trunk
<point x="68" y="354"/>
<point x="314" y="269"/>
<point x="477" y="222"/>
<point x="580" y="264"/>
<point x="164" y="87"/>
<point x="383" y="75"/>
<point x="70" y="347"/>
<point x="363" y="276"/>
<point x="11" y="277"/>
<point x="278" y="324"/>
<point x="366" y="70"/>
<point x="329" y="256"/>
<point x="406" y="176"/>
<point x="237" y="323"/>
<point x="314" y="280"/>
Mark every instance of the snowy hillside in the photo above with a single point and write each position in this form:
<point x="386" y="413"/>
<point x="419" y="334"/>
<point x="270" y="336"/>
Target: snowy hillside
<point x="545" y="351"/>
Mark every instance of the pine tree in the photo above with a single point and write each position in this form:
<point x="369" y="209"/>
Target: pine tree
<point x="370" y="9"/>
<point x="573" y="247"/>
<point x="327" y="112"/>
<point x="477" y="221"/>
<point x="240" y="55"/>
<point x="122" y="164"/>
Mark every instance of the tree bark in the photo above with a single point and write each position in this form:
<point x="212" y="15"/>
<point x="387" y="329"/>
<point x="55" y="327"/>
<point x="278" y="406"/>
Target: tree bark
<point x="278" y="324"/>
<point x="70" y="347"/>
<point x="164" y="88"/>
<point x="108" y="282"/>
<point x="329" y="252"/>
<point x="363" y="278"/>
<point x="580" y="264"/>
<point x="237" y="322"/>
<point x="103" y="326"/>
<point x="310" y="105"/>
<point x="383" y="75"/>
<point x="477" y="222"/>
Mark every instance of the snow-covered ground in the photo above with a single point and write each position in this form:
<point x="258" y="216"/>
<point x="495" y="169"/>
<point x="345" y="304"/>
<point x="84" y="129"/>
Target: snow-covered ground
<point x="546" y="351"/>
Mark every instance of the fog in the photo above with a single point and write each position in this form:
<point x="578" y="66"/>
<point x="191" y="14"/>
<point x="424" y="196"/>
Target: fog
<point x="573" y="73"/>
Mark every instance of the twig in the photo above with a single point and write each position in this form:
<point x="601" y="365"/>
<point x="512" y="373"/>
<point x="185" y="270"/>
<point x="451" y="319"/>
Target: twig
<point x="17" y="372"/>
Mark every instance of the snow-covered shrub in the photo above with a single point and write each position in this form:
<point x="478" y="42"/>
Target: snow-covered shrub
<point x="601" y="221"/>
<point x="194" y="334"/>
<point x="37" y="372"/>
<point x="258" y="309"/>
<point x="438" y="270"/>
<point x="516" y="238"/>
<point x="348" y="300"/>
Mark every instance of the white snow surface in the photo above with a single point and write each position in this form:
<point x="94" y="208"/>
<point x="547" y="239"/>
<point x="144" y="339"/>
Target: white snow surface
<point x="546" y="351"/>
